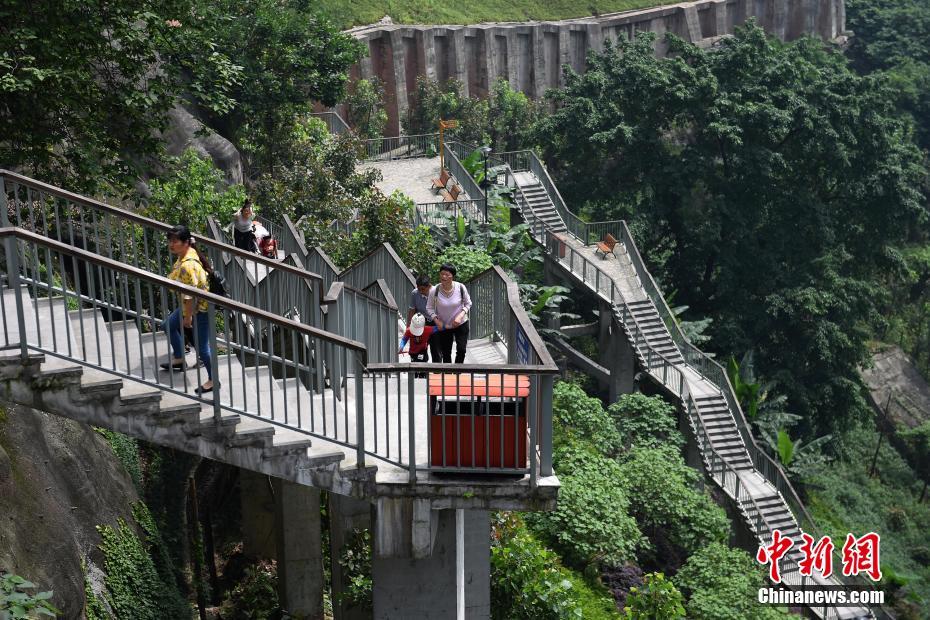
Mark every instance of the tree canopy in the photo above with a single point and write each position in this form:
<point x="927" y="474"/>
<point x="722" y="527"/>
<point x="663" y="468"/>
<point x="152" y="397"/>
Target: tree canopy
<point x="767" y="181"/>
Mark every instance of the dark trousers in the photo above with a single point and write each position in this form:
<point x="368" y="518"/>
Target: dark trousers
<point x="421" y="357"/>
<point x="445" y="339"/>
<point x="245" y="240"/>
<point x="434" y="355"/>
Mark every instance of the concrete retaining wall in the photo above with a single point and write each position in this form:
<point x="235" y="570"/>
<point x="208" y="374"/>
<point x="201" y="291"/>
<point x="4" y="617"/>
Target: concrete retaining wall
<point x="530" y="55"/>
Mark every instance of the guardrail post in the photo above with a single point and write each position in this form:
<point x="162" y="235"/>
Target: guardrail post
<point x="12" y="261"/>
<point x="545" y="441"/>
<point x="214" y="363"/>
<point x="360" y="412"/>
<point x="411" y="428"/>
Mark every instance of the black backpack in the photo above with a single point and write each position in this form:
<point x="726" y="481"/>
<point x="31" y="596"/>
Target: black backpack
<point x="218" y="284"/>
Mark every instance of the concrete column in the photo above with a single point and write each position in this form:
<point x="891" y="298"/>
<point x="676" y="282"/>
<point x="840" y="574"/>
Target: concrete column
<point x="565" y="52"/>
<point x="300" y="552"/>
<point x="538" y="43"/>
<point x="616" y="354"/>
<point x="720" y="17"/>
<point x="511" y="66"/>
<point x="780" y="18"/>
<point x="345" y="515"/>
<point x="364" y="65"/>
<point x="257" y="502"/>
<point x="459" y="68"/>
<point x="660" y="26"/>
<point x="456" y="575"/>
<point x="398" y="57"/>
<point x="692" y="23"/>
<point x="429" y="54"/>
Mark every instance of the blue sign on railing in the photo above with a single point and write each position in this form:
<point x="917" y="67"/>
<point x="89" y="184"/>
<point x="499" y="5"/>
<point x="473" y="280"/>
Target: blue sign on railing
<point x="523" y="347"/>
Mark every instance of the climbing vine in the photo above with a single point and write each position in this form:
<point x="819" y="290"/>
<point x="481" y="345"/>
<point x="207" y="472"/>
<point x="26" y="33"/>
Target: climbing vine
<point x="126" y="450"/>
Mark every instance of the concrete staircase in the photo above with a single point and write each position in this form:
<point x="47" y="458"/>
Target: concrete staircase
<point x="162" y="413"/>
<point x="541" y="208"/>
<point x="726" y="456"/>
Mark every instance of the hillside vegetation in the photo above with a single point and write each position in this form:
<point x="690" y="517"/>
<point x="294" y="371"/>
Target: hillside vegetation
<point x="348" y="14"/>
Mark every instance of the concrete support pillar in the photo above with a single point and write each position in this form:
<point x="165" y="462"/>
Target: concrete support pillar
<point x="779" y="18"/>
<point x="346" y="514"/>
<point x="300" y="553"/>
<point x="720" y="17"/>
<point x="257" y="504"/>
<point x="692" y="23"/>
<point x="565" y="52"/>
<point x="452" y="582"/>
<point x="538" y="43"/>
<point x="616" y="354"/>
<point x="399" y="73"/>
<point x="459" y="68"/>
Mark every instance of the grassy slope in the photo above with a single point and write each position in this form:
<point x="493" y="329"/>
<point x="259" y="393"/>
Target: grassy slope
<point x="360" y="12"/>
<point x="844" y="499"/>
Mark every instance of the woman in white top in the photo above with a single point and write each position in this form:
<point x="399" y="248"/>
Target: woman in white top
<point x="448" y="305"/>
<point x="244" y="228"/>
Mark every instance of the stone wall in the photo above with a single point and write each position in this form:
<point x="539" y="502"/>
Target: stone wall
<point x="530" y="55"/>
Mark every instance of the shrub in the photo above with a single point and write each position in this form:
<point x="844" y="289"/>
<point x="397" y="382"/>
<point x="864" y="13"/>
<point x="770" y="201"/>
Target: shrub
<point x="577" y="415"/>
<point x="527" y="582"/>
<point x="591" y="524"/>
<point x="667" y="507"/>
<point x="193" y="190"/>
<point x="646" y="421"/>
<point x="721" y="584"/>
<point x="656" y="599"/>
<point x="256" y="596"/>
<point x="17" y="604"/>
<point x="468" y="262"/>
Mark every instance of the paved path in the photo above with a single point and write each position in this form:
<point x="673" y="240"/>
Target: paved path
<point x="413" y="177"/>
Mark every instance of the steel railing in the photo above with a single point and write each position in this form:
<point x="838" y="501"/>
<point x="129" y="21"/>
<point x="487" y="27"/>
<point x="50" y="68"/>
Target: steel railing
<point x="401" y="147"/>
<point x="438" y="214"/>
<point x="366" y="405"/>
<point x="382" y="262"/>
<point x="140" y="241"/>
<point x="334" y="123"/>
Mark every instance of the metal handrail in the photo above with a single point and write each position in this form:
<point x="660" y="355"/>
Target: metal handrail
<point x="334" y="123"/>
<point x="146" y="222"/>
<point x="400" y="147"/>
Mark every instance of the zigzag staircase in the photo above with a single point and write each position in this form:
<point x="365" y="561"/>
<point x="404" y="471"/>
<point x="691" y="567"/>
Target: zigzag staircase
<point x="731" y="458"/>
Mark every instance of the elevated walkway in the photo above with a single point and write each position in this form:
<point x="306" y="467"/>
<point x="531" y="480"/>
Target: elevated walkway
<point x="309" y="390"/>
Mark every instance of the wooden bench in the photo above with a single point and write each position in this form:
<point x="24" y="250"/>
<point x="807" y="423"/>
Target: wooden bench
<point x="606" y="246"/>
<point x="443" y="179"/>
<point x="451" y="195"/>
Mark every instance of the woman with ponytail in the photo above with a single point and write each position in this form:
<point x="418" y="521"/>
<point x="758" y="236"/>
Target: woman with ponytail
<point x="192" y="268"/>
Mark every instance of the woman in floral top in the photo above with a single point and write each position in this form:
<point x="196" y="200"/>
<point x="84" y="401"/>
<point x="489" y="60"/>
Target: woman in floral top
<point x="193" y="269"/>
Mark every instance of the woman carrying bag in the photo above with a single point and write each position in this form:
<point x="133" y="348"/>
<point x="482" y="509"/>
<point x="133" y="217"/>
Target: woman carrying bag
<point x="193" y="269"/>
<point x="448" y="305"/>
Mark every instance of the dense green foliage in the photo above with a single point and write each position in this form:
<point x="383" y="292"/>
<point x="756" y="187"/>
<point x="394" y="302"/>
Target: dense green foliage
<point x="528" y="581"/>
<point x="721" y="583"/>
<point x="18" y="604"/>
<point x="645" y="422"/>
<point x="361" y="12"/>
<point x="844" y="498"/>
<point x="894" y="36"/>
<point x="126" y="450"/>
<point x="191" y="191"/>
<point x="87" y="87"/>
<point x="134" y="588"/>
<point x="592" y="522"/>
<point x="656" y="599"/>
<point x="579" y="416"/>
<point x="767" y="182"/>
<point x="256" y="596"/>
<point x="468" y="262"/>
<point x="677" y="518"/>
<point x="504" y="119"/>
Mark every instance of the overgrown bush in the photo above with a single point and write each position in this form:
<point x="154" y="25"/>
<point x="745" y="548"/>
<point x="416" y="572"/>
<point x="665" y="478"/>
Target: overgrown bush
<point x="193" y="189"/>
<point x="256" y="596"/>
<point x="646" y="421"/>
<point x="579" y="416"/>
<point x="468" y="262"/>
<point x="527" y="582"/>
<point x="591" y="524"/>
<point x="355" y="560"/>
<point x="721" y="583"/>
<point x="656" y="599"/>
<point x="17" y="604"/>
<point x="677" y="518"/>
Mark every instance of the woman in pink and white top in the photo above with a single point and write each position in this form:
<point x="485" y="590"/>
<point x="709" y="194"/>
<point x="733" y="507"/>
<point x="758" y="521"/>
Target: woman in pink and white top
<point x="448" y="305"/>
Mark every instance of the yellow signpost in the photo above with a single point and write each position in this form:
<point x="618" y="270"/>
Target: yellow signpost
<point x="443" y="125"/>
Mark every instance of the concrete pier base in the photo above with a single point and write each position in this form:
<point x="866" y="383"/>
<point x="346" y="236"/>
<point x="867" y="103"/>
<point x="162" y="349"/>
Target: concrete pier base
<point x="346" y="515"/>
<point x="257" y="501"/>
<point x="299" y="546"/>
<point x="452" y="582"/>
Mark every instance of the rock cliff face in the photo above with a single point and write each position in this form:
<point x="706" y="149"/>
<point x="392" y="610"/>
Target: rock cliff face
<point x="530" y="55"/>
<point x="58" y="480"/>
